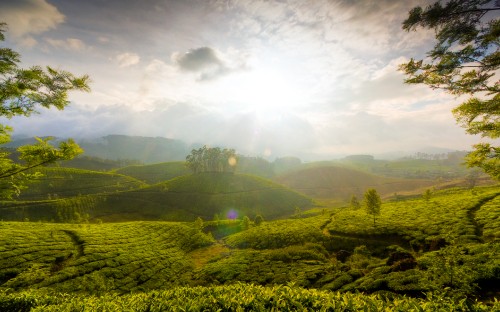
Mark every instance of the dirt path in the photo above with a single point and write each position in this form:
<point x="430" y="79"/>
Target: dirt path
<point x="77" y="241"/>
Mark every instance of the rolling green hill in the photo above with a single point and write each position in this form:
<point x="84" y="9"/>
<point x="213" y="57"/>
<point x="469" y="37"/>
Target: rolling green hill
<point x="445" y="245"/>
<point x="155" y="173"/>
<point x="58" y="182"/>
<point x="203" y="195"/>
<point x="341" y="183"/>
<point x="181" y="199"/>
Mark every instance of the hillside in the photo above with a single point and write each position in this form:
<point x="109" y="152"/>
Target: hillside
<point x="59" y="182"/>
<point x="334" y="182"/>
<point x="155" y="173"/>
<point x="204" y="195"/>
<point x="144" y="149"/>
<point x="181" y="199"/>
<point x="335" y="250"/>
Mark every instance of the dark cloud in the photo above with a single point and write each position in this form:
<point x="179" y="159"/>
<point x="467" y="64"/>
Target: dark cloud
<point x="206" y="62"/>
<point x="198" y="59"/>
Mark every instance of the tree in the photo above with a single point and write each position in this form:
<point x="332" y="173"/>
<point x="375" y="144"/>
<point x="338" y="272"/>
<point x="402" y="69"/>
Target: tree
<point x="245" y="223"/>
<point x="354" y="202"/>
<point x="427" y="195"/>
<point x="21" y="92"/>
<point x="211" y="159"/>
<point x="464" y="61"/>
<point x="258" y="220"/>
<point x="372" y="203"/>
<point x="198" y="223"/>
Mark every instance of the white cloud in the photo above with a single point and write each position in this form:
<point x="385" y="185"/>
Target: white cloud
<point x="27" y="17"/>
<point x="127" y="59"/>
<point x="70" y="44"/>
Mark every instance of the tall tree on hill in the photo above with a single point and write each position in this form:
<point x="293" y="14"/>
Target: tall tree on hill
<point x="372" y="203"/>
<point x="21" y="92"/>
<point x="465" y="61"/>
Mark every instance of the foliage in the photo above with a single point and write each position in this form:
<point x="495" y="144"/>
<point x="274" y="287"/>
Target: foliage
<point x="450" y="213"/>
<point x="155" y="173"/>
<point x="21" y="91"/>
<point x="59" y="182"/>
<point x="236" y="297"/>
<point x="180" y="199"/>
<point x="258" y="220"/>
<point x="280" y="233"/>
<point x="464" y="62"/>
<point x="372" y="203"/>
<point x="211" y="159"/>
<point x="354" y="204"/>
<point x="333" y="181"/>
<point x="95" y="258"/>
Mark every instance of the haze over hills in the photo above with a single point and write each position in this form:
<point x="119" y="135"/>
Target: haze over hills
<point x="148" y="150"/>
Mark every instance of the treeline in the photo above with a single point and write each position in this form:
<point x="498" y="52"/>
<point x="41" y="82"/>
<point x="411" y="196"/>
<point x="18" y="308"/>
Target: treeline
<point x="211" y="159"/>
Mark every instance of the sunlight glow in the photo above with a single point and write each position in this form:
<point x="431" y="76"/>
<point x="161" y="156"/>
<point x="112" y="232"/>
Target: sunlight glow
<point x="262" y="90"/>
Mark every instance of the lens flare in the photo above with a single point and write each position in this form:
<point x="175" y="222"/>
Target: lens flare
<point x="232" y="161"/>
<point x="232" y="214"/>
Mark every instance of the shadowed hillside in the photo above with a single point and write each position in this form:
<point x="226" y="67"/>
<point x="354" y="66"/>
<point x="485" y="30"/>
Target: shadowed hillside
<point x="204" y="195"/>
<point x="181" y="199"/>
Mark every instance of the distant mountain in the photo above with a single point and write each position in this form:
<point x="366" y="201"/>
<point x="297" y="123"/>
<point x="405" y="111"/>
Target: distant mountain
<point x="144" y="149"/>
<point x="123" y="147"/>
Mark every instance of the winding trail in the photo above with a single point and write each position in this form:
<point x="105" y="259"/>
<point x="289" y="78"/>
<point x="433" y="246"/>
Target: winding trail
<point x="471" y="215"/>
<point x="77" y="241"/>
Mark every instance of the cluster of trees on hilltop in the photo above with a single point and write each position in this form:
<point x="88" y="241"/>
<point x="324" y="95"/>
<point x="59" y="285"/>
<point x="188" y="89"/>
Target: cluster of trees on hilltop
<point x="211" y="159"/>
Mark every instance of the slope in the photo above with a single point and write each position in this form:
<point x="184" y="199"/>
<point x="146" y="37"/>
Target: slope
<point x="155" y="173"/>
<point x="57" y="182"/>
<point x="204" y="195"/>
<point x="341" y="183"/>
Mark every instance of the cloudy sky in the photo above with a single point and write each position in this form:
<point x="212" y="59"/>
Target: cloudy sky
<point x="270" y="78"/>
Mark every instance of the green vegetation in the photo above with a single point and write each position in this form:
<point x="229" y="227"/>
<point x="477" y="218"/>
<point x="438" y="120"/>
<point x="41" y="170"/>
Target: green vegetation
<point x="156" y="173"/>
<point x="96" y="258"/>
<point x="57" y="182"/>
<point x="22" y="91"/>
<point x="123" y="198"/>
<point x="463" y="61"/>
<point x="237" y="297"/>
<point x="436" y="251"/>
<point x="211" y="159"/>
<point x="372" y="203"/>
<point x="341" y="183"/>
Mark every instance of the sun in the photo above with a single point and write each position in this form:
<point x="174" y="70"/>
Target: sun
<point x="262" y="90"/>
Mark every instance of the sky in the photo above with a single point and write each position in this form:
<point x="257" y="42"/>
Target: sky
<point x="314" y="79"/>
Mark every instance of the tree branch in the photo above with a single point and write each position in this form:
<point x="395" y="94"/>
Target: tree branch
<point x="12" y="173"/>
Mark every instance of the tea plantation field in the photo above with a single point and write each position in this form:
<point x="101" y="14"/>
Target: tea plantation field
<point x="421" y="255"/>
